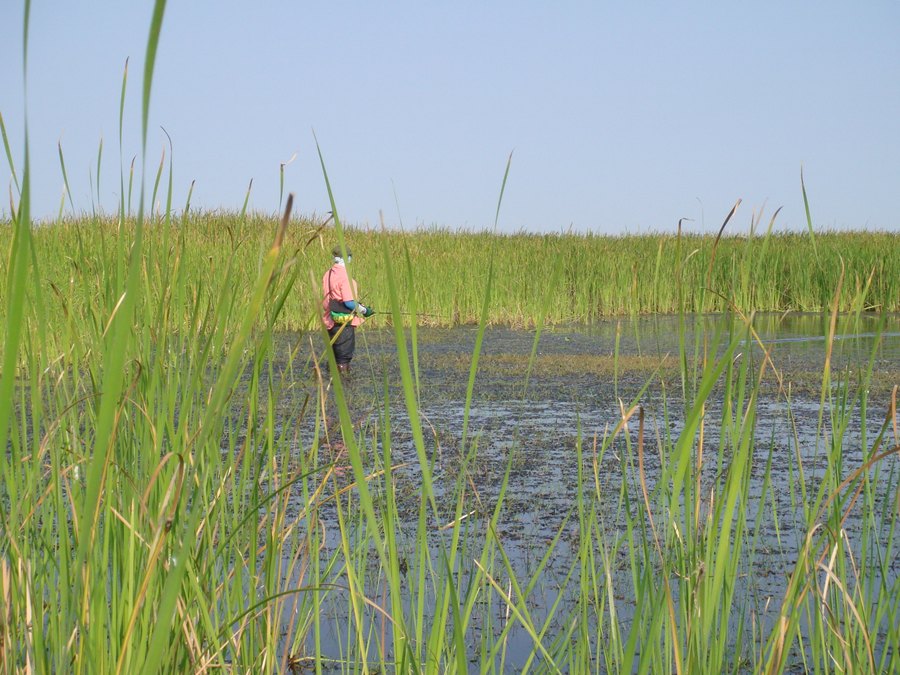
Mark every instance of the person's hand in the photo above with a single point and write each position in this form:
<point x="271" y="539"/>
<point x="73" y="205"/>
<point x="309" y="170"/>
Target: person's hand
<point x="362" y="309"/>
<point x="369" y="312"/>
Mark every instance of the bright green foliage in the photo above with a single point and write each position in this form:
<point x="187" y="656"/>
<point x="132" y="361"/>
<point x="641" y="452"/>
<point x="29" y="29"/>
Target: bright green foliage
<point x="555" y="278"/>
<point x="158" y="495"/>
<point x="162" y="511"/>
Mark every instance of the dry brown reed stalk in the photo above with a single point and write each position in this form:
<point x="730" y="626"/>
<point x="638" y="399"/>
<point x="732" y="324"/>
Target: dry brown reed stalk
<point x="784" y="622"/>
<point x="767" y="356"/>
<point x="12" y="204"/>
<point x="6" y="616"/>
<point x="828" y="614"/>
<point x="670" y="604"/>
<point x="643" y="478"/>
<point x="832" y="326"/>
<point x="712" y="255"/>
<point x="317" y="233"/>
<point x="893" y="413"/>
<point x="285" y="219"/>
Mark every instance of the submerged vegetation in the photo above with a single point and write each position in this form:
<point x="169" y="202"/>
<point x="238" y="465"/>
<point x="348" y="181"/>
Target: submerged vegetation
<point x="182" y="489"/>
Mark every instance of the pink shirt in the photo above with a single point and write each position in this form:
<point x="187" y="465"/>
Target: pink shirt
<point x="337" y="285"/>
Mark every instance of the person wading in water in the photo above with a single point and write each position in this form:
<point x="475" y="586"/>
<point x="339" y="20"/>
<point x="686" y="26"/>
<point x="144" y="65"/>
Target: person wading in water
<point x="341" y="313"/>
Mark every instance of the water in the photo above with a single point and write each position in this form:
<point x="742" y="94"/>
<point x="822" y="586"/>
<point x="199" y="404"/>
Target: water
<point x="533" y="418"/>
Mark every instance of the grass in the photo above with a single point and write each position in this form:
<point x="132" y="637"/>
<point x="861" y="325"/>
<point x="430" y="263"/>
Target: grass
<point x="179" y="494"/>
<point x="549" y="279"/>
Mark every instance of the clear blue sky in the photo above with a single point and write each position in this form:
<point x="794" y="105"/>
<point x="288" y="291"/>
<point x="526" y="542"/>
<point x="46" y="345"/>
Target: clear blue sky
<point x="621" y="118"/>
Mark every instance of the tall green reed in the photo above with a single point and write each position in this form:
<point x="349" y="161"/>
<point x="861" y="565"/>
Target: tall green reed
<point x="160" y="495"/>
<point x="565" y="279"/>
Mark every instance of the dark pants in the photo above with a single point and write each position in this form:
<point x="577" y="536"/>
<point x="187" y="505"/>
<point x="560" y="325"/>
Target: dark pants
<point x="345" y="344"/>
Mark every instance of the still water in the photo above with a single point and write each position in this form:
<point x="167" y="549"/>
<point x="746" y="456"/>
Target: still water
<point x="536" y="406"/>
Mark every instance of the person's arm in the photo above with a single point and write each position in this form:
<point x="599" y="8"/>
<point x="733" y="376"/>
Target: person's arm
<point x="356" y="307"/>
<point x="346" y="291"/>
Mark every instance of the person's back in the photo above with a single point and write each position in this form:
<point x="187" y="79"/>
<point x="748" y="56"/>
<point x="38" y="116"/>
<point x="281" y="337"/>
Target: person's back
<point x="341" y="313"/>
<point x="337" y="287"/>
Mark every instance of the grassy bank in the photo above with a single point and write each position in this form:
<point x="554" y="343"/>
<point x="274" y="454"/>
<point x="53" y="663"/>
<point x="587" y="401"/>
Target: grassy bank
<point x="570" y="278"/>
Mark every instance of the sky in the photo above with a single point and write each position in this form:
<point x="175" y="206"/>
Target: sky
<point x="619" y="117"/>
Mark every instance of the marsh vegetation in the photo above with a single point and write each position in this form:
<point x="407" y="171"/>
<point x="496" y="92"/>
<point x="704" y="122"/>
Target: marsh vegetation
<point x="184" y="488"/>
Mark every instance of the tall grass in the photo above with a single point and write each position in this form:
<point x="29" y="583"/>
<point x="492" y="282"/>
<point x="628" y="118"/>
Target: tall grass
<point x="562" y="278"/>
<point x="174" y="495"/>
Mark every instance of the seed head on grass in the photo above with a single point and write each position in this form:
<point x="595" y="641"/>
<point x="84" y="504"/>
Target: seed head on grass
<point x="285" y="219"/>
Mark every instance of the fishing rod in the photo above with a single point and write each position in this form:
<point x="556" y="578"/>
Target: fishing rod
<point x="371" y="312"/>
<point x="424" y="314"/>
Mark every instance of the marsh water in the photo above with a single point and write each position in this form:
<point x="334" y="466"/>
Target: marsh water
<point x="536" y="416"/>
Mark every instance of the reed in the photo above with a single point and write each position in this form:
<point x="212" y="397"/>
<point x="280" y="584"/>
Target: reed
<point x="197" y="460"/>
<point x="184" y="489"/>
<point x="553" y="279"/>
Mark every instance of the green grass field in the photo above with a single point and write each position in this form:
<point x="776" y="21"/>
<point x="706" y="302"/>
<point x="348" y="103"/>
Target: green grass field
<point x="560" y="278"/>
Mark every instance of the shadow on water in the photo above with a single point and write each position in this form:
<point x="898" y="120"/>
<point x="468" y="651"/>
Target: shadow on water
<point x="578" y="385"/>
